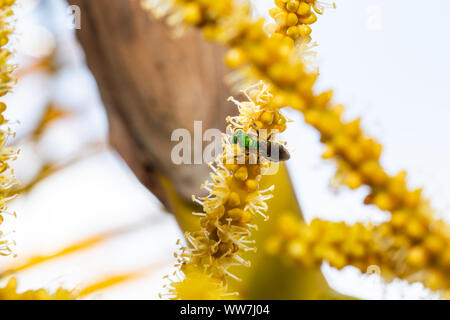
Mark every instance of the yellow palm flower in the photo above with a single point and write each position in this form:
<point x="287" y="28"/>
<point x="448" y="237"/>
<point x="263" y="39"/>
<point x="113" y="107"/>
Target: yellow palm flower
<point x="234" y="199"/>
<point x="9" y="292"/>
<point x="294" y="17"/>
<point x="407" y="249"/>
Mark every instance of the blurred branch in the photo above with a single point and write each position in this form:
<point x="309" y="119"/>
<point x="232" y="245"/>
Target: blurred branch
<point x="152" y="84"/>
<point x="120" y="278"/>
<point x="52" y="114"/>
<point x="81" y="245"/>
<point x="45" y="64"/>
<point x="51" y="168"/>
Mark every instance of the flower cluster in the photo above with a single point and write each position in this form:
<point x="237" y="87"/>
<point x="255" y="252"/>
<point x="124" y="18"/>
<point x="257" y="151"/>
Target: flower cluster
<point x="6" y="82"/>
<point x="234" y="199"/>
<point x="294" y="17"/>
<point x="193" y="284"/>
<point x="275" y="60"/>
<point x="399" y="249"/>
<point x="9" y="292"/>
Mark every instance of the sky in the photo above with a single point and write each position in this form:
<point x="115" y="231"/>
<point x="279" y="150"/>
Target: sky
<point x="387" y="62"/>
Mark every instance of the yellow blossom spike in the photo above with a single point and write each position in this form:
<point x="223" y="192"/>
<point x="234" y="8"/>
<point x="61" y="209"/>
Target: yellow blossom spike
<point x="404" y="248"/>
<point x="9" y="292"/>
<point x="293" y="18"/>
<point x="196" y="285"/>
<point x="228" y="211"/>
<point x="7" y="179"/>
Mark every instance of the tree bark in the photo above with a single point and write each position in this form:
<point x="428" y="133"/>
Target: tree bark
<point x="152" y="84"/>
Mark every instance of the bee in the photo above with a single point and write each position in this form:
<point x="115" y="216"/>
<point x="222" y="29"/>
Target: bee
<point x="252" y="142"/>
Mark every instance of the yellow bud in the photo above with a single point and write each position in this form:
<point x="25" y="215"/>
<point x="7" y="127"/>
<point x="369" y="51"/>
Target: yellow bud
<point x="352" y="129"/>
<point x="304" y="9"/>
<point x="373" y="172"/>
<point x="353" y="180"/>
<point x="354" y="154"/>
<point x="246" y="217"/>
<point x="234" y="58"/>
<point x="293" y="32"/>
<point x="416" y="229"/>
<point x="340" y="141"/>
<point x="234" y="200"/>
<point x="329" y="152"/>
<point x="412" y="199"/>
<point x="236" y="214"/>
<point x="297" y="249"/>
<point x="335" y="258"/>
<point x="253" y="170"/>
<point x="434" y="243"/>
<point x="281" y="3"/>
<point x="231" y="166"/>
<point x="267" y="117"/>
<point x="252" y="185"/>
<point x="2" y="107"/>
<point x="304" y="30"/>
<point x="192" y="14"/>
<point x="280" y="72"/>
<point x="435" y="280"/>
<point x="274" y="11"/>
<point x="309" y="19"/>
<point x="417" y="257"/>
<point x="292" y="19"/>
<point x="400" y="218"/>
<point x="444" y="258"/>
<point x="281" y="18"/>
<point x="313" y="117"/>
<point x="241" y="173"/>
<point x="323" y="99"/>
<point x="383" y="201"/>
<point x="4" y="41"/>
<point x="296" y="102"/>
<point x="292" y="5"/>
<point x="401" y="241"/>
<point x="397" y="185"/>
<point x="329" y="125"/>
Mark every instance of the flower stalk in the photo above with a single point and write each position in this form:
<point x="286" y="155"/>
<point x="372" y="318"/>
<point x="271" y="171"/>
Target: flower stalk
<point x="387" y="247"/>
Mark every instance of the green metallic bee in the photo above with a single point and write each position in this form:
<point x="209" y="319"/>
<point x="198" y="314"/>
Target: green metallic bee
<point x="251" y="142"/>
